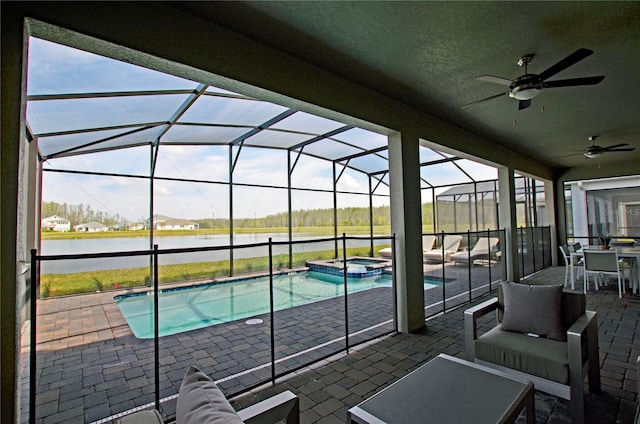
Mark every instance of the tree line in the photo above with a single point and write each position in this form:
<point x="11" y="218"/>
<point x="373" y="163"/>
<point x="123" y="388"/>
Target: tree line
<point x="349" y="216"/>
<point x="81" y="214"/>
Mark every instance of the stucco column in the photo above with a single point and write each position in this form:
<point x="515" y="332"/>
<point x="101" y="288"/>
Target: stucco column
<point x="550" y="213"/>
<point x="12" y="130"/>
<point x="406" y="224"/>
<point x="579" y="213"/>
<point x="508" y="220"/>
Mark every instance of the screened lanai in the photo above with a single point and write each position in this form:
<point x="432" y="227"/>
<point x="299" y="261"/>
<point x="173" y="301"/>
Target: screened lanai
<point x="143" y="148"/>
<point x="136" y="143"/>
<point x="474" y="206"/>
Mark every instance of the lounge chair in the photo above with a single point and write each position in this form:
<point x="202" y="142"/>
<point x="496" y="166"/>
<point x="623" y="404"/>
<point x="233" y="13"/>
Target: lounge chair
<point x="483" y="248"/>
<point x="427" y="244"/>
<point x="450" y="245"/>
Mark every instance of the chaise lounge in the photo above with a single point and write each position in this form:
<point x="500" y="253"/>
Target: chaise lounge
<point x="450" y="245"/>
<point x="427" y="244"/>
<point x="481" y="251"/>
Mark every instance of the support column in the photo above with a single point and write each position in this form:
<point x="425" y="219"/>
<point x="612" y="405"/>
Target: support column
<point x="12" y="133"/>
<point x="579" y="214"/>
<point x="550" y="214"/>
<point x="406" y="224"/>
<point x="508" y="221"/>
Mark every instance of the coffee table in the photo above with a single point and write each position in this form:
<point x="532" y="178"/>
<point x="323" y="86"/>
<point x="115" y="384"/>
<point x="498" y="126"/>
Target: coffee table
<point x="448" y="390"/>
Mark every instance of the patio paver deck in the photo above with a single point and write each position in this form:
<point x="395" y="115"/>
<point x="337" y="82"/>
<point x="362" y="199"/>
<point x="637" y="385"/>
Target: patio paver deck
<point x="95" y="367"/>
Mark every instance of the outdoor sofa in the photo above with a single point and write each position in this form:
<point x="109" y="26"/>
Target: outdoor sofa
<point x="200" y="401"/>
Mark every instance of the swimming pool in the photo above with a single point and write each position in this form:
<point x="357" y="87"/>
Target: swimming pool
<point x="189" y="308"/>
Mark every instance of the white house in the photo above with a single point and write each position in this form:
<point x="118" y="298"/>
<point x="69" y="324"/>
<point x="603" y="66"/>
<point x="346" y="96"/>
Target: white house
<point x="55" y="223"/>
<point x="176" y="224"/>
<point x="91" y="227"/>
<point x="135" y="226"/>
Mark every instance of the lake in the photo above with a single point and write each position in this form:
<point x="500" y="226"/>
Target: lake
<point x="123" y="244"/>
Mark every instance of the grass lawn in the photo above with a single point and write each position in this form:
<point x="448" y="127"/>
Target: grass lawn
<point x="52" y="285"/>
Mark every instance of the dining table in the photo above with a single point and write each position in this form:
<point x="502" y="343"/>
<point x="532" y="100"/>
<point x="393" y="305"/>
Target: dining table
<point x="632" y="253"/>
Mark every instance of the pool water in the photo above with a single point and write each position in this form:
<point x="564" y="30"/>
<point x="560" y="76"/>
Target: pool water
<point x="190" y="308"/>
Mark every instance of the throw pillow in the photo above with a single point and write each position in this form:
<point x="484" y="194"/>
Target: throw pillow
<point x="200" y="401"/>
<point x="533" y="309"/>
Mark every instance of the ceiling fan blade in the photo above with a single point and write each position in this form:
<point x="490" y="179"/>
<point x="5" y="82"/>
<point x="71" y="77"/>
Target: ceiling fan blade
<point x="485" y="99"/>
<point x="573" y="82"/>
<point x="523" y="104"/>
<point x="496" y="80"/>
<point x="573" y="58"/>
<point x="615" y="146"/>
<point x="628" y="149"/>
<point x="572" y="154"/>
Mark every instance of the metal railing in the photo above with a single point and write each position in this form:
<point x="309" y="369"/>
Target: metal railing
<point x="286" y="327"/>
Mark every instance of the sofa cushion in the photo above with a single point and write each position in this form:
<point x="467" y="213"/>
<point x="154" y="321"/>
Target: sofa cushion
<point x="543" y="357"/>
<point x="533" y="309"/>
<point x="201" y="401"/>
<point x="142" y="417"/>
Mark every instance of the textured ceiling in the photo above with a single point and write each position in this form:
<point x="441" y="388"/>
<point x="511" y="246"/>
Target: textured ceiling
<point x="428" y="55"/>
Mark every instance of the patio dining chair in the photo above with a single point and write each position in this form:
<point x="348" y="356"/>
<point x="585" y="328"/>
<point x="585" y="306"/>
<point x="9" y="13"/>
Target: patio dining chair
<point x="578" y="266"/>
<point x="600" y="263"/>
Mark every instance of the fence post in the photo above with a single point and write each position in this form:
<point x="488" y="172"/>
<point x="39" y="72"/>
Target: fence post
<point x="156" y="325"/>
<point x="444" y="294"/>
<point x="522" y="246"/>
<point x="346" y="302"/>
<point x="394" y="285"/>
<point x="489" y="261"/>
<point x="469" y="264"/>
<point x="272" y="313"/>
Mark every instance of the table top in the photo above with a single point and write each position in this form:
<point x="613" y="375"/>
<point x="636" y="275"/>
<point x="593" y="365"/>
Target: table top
<point x="622" y="251"/>
<point x="446" y="389"/>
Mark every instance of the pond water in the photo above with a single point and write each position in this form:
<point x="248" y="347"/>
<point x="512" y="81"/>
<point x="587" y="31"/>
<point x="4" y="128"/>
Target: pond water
<point x="122" y="244"/>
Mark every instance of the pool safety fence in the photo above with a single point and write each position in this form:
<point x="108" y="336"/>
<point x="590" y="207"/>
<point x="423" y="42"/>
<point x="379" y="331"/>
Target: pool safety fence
<point x="296" y="337"/>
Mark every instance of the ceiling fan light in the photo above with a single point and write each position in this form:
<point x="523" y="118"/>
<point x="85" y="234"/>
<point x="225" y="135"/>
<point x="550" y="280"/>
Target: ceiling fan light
<point x="525" y="94"/>
<point x="591" y="155"/>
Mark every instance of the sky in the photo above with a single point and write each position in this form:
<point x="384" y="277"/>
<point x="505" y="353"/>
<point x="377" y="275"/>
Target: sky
<point x="55" y="69"/>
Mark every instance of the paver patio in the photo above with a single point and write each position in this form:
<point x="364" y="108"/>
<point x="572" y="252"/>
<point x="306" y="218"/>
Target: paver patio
<point x="91" y="366"/>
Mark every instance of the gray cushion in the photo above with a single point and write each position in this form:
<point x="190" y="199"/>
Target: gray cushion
<point x="574" y="305"/>
<point x="142" y="417"/>
<point x="533" y="309"/>
<point x="200" y="401"/>
<point x="545" y="358"/>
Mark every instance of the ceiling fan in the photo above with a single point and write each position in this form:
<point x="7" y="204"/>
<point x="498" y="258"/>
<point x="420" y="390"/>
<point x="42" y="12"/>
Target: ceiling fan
<point x="594" y="151"/>
<point x="527" y="86"/>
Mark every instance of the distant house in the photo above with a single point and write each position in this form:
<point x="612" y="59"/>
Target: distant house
<point x="177" y="224"/>
<point x="135" y="226"/>
<point x="91" y="227"/>
<point x="55" y="223"/>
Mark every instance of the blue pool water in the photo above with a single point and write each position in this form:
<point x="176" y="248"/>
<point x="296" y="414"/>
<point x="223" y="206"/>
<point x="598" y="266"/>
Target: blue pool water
<point x="193" y="307"/>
